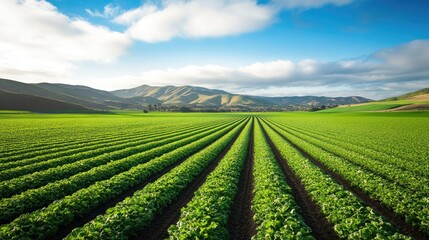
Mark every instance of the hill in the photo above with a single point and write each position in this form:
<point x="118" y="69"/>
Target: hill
<point x="190" y="95"/>
<point x="16" y="101"/>
<point x="421" y="92"/>
<point x="169" y="97"/>
<point x="413" y="101"/>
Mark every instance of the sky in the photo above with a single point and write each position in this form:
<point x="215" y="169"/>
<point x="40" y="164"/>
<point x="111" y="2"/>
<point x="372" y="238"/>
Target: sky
<point x="369" y="48"/>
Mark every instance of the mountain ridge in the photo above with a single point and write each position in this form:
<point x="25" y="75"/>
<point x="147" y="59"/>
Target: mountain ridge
<point x="167" y="96"/>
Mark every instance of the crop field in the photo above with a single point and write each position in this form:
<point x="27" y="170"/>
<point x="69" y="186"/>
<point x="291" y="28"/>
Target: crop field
<point x="130" y="175"/>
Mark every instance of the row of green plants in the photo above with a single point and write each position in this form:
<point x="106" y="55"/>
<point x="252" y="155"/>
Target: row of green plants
<point x="206" y="215"/>
<point x="387" y="171"/>
<point x="46" y="222"/>
<point x="37" y="179"/>
<point x="274" y="207"/>
<point x="346" y="142"/>
<point x="43" y="136"/>
<point x="56" y="140"/>
<point x="114" y="147"/>
<point x="136" y="212"/>
<point x="36" y="198"/>
<point x="72" y="147"/>
<point x="86" y="147"/>
<point x="402" y="137"/>
<point x="413" y="206"/>
<point x="350" y="218"/>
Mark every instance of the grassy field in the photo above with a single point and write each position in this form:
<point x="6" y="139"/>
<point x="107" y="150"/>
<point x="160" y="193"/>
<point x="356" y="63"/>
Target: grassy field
<point x="378" y="106"/>
<point x="321" y="175"/>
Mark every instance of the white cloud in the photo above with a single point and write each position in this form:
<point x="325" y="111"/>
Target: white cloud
<point x="269" y="70"/>
<point x="411" y="56"/>
<point x="110" y="10"/>
<point x="195" y="18"/>
<point x="206" y="18"/>
<point x="39" y="43"/>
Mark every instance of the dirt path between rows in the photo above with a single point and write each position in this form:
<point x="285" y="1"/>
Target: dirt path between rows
<point x="309" y="210"/>
<point x="379" y="207"/>
<point x="170" y="215"/>
<point x="240" y="222"/>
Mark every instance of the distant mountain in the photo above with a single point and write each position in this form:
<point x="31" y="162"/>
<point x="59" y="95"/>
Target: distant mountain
<point x="189" y="95"/>
<point x="79" y="95"/>
<point x="183" y="96"/>
<point x="16" y="101"/>
<point x="424" y="91"/>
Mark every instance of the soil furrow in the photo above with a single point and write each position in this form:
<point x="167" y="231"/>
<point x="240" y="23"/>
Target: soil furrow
<point x="309" y="210"/>
<point x="397" y="221"/>
<point x="240" y="222"/>
<point x="170" y="215"/>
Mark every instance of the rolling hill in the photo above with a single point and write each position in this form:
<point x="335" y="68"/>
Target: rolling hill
<point x="413" y="101"/>
<point x="422" y="93"/>
<point x="190" y="95"/>
<point x="140" y="97"/>
<point x="16" y="101"/>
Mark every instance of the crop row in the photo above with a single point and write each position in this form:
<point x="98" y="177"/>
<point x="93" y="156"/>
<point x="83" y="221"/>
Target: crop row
<point x="345" y="141"/>
<point x="38" y="179"/>
<point x="58" y="138"/>
<point x="36" y="198"/>
<point x="206" y="215"/>
<point x="71" y="147"/>
<point x="401" y="137"/>
<point x="411" y="205"/>
<point x="351" y="219"/>
<point x="47" y="221"/>
<point x="136" y="212"/>
<point x="118" y="150"/>
<point x="50" y="154"/>
<point x="387" y="171"/>
<point x="62" y="138"/>
<point x="274" y="206"/>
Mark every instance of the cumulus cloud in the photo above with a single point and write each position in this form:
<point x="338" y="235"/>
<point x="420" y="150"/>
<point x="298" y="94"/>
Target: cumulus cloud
<point x="39" y="43"/>
<point x="206" y="18"/>
<point x="376" y="76"/>
<point x="195" y="18"/>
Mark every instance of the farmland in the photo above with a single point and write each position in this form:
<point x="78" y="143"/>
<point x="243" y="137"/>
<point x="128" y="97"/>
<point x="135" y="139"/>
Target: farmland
<point x="129" y="175"/>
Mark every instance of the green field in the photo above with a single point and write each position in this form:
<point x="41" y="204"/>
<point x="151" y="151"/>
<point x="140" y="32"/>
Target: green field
<point x="374" y="106"/>
<point x="299" y="175"/>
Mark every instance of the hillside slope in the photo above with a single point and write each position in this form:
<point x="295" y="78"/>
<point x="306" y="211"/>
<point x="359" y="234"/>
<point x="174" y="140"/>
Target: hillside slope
<point x="16" y="101"/>
<point x="189" y="95"/>
<point x="140" y="97"/>
<point x="424" y="92"/>
<point x="413" y="101"/>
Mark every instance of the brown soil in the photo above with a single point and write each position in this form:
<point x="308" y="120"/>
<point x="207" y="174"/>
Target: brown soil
<point x="240" y="222"/>
<point x="170" y="215"/>
<point x="379" y="207"/>
<point x="423" y="97"/>
<point x="309" y="210"/>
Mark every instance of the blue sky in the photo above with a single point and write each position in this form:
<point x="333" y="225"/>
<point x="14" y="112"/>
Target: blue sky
<point x="373" y="48"/>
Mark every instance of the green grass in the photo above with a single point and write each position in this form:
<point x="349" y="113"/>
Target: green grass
<point x="373" y="106"/>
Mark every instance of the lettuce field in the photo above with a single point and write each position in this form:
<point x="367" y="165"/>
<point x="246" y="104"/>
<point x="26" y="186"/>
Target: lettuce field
<point x="130" y="175"/>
